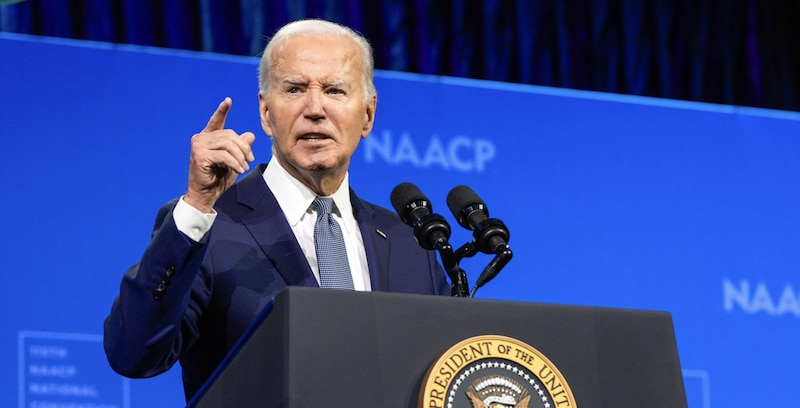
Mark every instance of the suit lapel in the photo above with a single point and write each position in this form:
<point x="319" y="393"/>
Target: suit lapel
<point x="376" y="244"/>
<point x="272" y="232"/>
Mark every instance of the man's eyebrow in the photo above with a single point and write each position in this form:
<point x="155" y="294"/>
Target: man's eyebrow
<point x="294" y="81"/>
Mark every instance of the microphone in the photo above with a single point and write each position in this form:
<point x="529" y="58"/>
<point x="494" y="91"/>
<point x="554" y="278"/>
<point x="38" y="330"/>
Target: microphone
<point x="490" y="234"/>
<point x="431" y="230"/>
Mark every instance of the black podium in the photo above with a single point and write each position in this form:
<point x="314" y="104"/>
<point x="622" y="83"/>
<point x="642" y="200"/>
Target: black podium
<point x="319" y="348"/>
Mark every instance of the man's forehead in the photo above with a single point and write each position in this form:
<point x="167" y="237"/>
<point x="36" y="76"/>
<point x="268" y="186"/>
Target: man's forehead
<point x="307" y="67"/>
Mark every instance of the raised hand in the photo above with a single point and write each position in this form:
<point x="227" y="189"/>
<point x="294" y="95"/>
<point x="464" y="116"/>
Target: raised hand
<point x="218" y="156"/>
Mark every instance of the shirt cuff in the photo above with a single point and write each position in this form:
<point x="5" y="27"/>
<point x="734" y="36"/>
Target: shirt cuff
<point x="192" y="222"/>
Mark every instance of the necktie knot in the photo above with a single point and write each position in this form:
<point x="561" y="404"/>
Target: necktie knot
<point x="324" y="205"/>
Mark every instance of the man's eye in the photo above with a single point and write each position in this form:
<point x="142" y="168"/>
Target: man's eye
<point x="293" y="89"/>
<point x="335" y="91"/>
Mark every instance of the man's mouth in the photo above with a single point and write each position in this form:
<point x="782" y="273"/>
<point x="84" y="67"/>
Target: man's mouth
<point x="314" y="136"/>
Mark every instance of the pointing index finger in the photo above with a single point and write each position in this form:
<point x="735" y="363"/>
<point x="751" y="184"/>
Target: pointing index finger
<point x="217" y="120"/>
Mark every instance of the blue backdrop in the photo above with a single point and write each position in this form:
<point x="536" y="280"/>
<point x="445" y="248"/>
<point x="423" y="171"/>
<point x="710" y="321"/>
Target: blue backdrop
<point x="611" y="201"/>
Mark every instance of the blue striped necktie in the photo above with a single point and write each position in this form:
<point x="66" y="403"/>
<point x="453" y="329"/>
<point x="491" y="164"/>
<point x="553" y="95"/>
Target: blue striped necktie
<point x="334" y="270"/>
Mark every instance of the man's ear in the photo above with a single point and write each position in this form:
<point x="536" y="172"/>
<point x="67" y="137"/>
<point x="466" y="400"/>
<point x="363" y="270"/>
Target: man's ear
<point x="369" y="116"/>
<point x="263" y="111"/>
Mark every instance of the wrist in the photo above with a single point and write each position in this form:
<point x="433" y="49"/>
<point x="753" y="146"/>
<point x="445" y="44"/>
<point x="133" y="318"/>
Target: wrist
<point x="200" y="202"/>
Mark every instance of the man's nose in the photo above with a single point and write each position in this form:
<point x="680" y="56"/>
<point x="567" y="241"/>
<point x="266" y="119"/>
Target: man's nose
<point x="315" y="105"/>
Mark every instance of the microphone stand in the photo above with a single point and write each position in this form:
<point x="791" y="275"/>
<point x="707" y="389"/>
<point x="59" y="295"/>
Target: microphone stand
<point x="467" y="250"/>
<point x="458" y="277"/>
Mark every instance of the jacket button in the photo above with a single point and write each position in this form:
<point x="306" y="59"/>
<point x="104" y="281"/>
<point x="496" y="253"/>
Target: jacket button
<point x="160" y="291"/>
<point x="158" y="295"/>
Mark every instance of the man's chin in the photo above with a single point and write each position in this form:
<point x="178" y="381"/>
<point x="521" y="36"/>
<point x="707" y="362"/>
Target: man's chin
<point x="320" y="167"/>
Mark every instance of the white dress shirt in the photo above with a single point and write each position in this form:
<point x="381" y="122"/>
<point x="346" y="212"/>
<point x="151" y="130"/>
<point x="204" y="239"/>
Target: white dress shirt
<point x="295" y="200"/>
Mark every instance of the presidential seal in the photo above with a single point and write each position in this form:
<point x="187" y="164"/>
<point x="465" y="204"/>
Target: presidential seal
<point x="494" y="371"/>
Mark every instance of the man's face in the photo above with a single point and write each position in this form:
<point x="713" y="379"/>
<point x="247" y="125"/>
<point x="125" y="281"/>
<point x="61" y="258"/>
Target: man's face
<point x="315" y="111"/>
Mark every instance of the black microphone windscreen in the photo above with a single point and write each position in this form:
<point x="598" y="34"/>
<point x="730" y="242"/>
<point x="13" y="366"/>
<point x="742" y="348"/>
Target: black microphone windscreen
<point x="460" y="197"/>
<point x="404" y="194"/>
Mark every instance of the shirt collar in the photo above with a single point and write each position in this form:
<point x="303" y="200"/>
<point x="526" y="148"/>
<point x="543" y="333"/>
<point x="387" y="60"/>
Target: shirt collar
<point x="295" y="198"/>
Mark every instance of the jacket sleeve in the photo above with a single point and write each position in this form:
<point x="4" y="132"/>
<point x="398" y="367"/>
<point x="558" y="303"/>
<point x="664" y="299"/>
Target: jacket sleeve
<point x="153" y="320"/>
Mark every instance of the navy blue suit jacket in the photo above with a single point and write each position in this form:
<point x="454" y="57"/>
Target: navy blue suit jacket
<point x="191" y="301"/>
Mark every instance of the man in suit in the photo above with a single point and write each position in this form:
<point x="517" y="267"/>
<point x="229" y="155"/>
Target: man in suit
<point x="220" y="252"/>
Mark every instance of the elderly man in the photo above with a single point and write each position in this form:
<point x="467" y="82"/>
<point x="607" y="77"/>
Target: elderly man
<point x="220" y="252"/>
